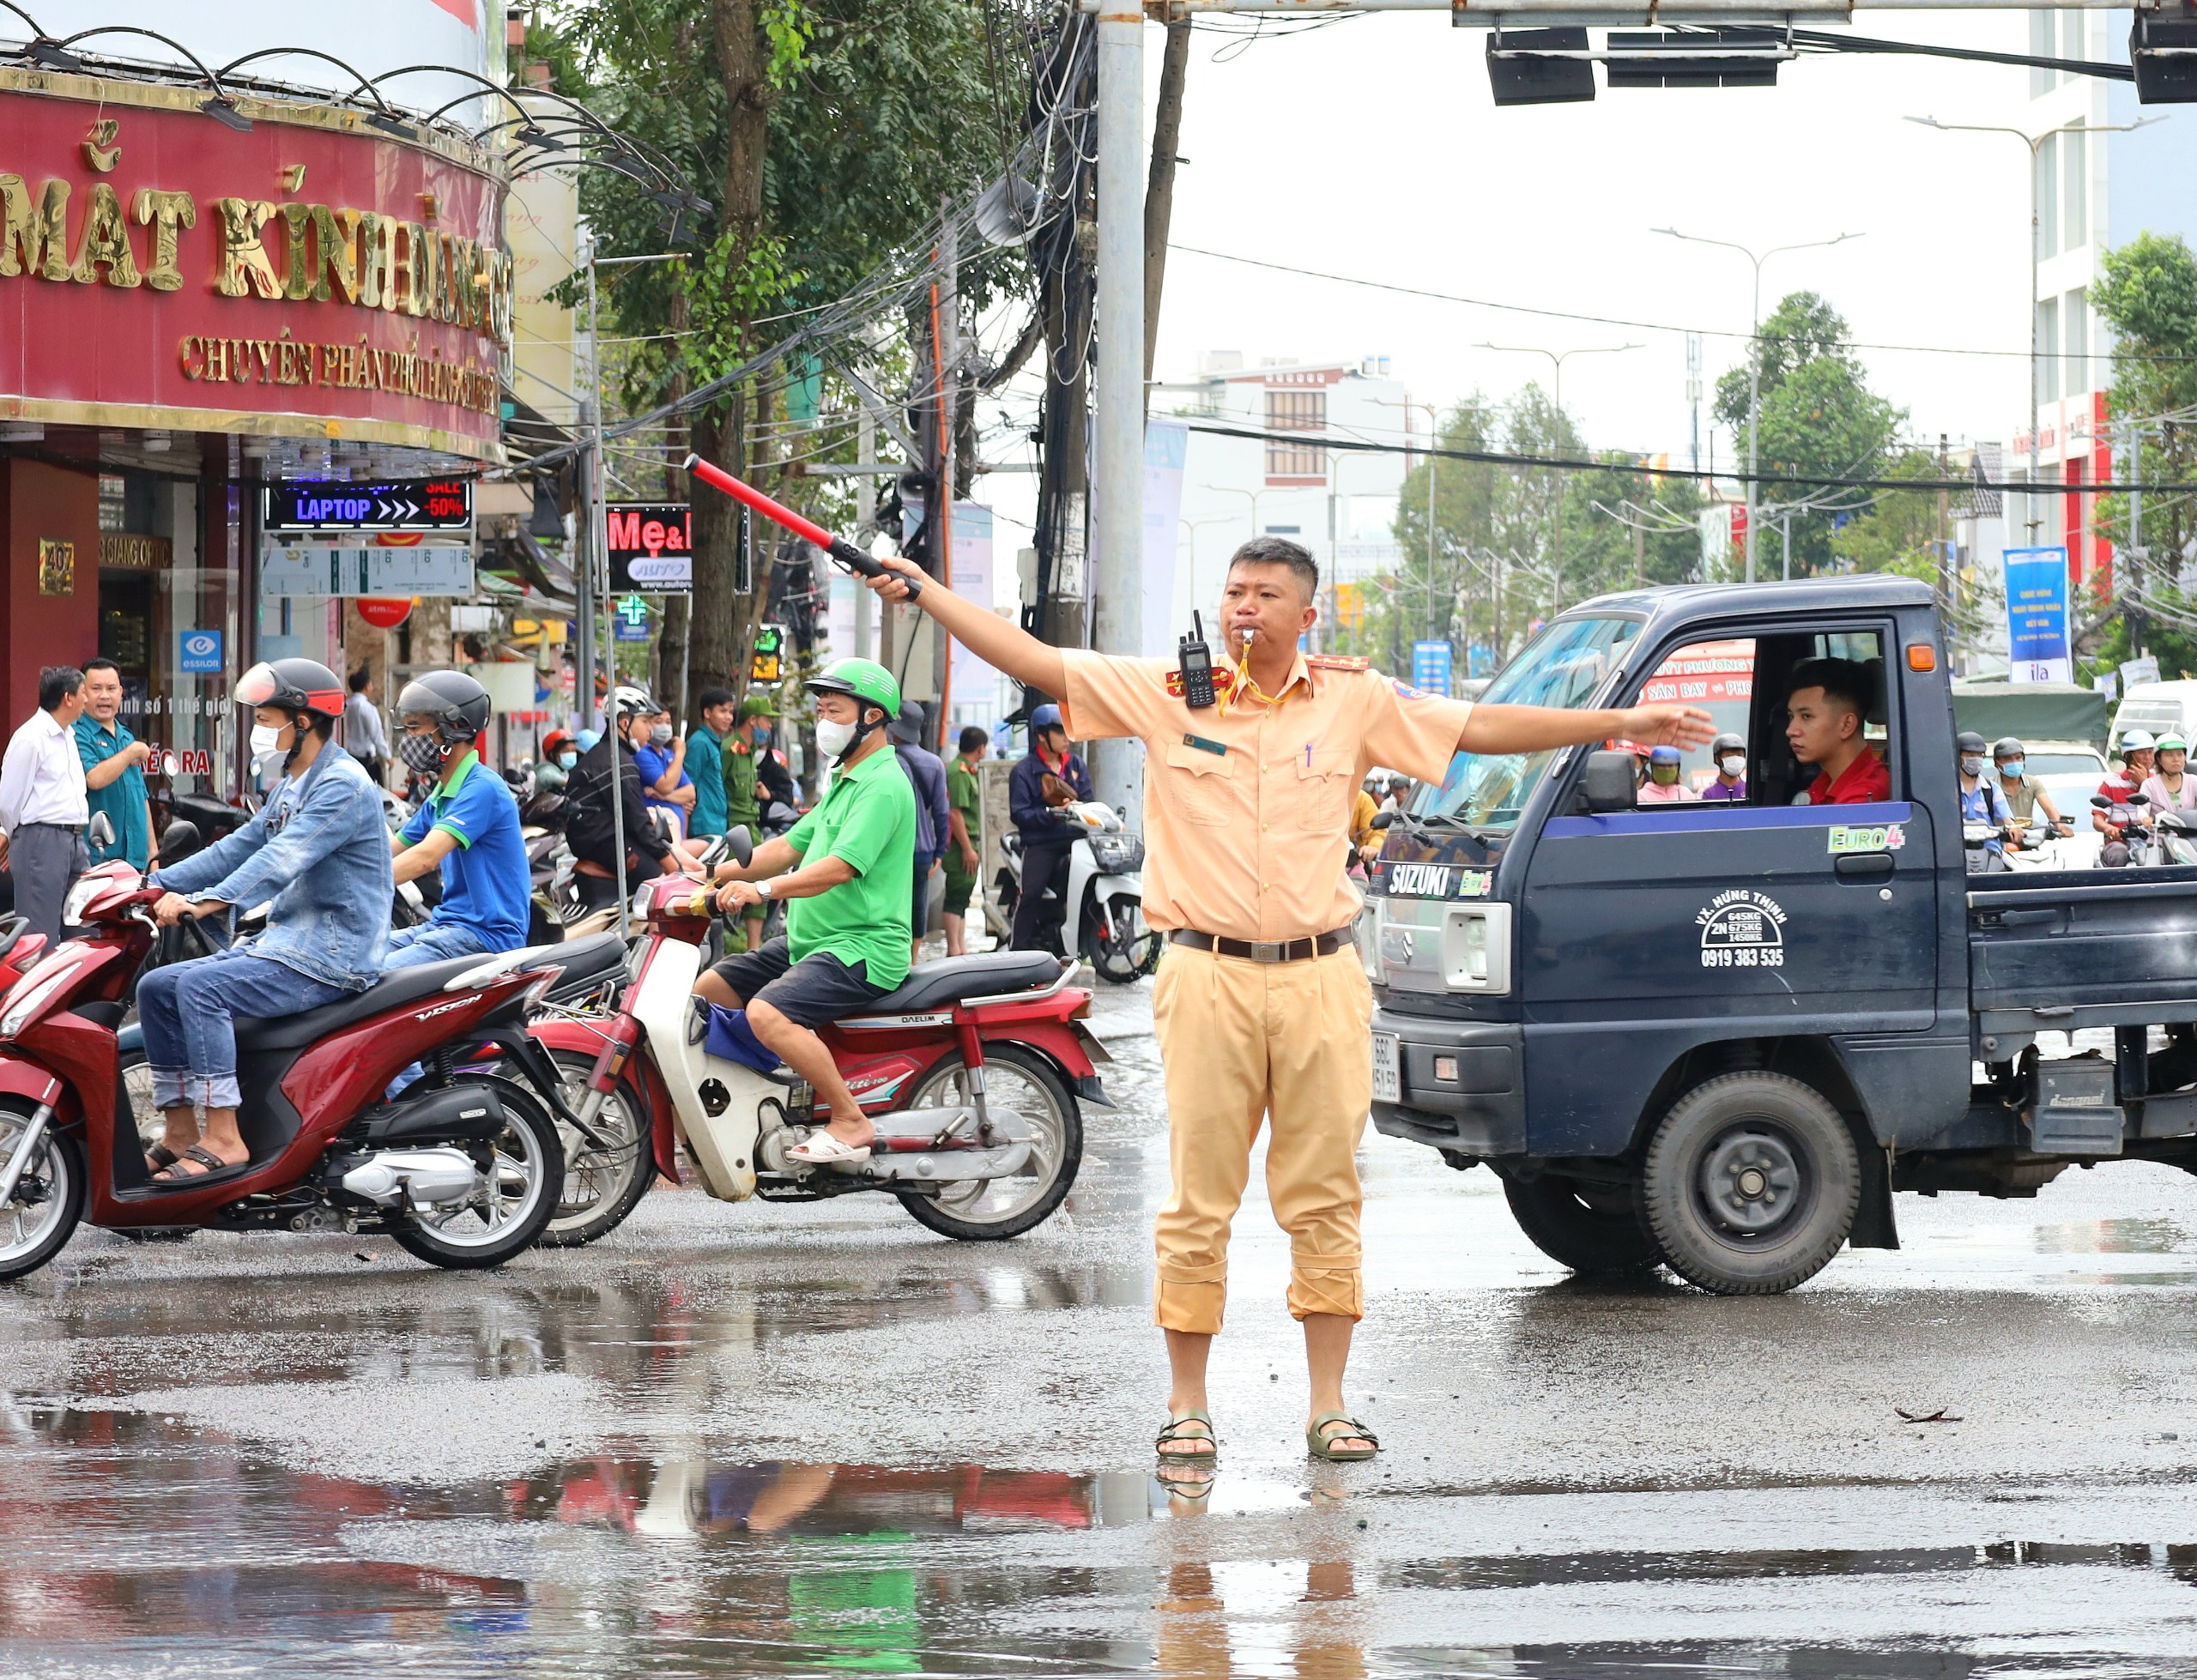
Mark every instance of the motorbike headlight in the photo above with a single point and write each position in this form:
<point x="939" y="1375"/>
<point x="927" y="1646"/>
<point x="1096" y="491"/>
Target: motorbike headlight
<point x="81" y="894"/>
<point x="29" y="996"/>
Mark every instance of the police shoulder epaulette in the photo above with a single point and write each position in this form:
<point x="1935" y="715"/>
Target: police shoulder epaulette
<point x="1224" y="682"/>
<point x="1337" y="661"/>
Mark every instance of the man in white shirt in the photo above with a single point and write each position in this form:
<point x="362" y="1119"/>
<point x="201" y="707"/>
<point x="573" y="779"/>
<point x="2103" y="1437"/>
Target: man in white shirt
<point x="43" y="808"/>
<point x="364" y="738"/>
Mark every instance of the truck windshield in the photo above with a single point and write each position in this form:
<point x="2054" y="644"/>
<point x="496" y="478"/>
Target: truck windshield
<point x="1565" y="665"/>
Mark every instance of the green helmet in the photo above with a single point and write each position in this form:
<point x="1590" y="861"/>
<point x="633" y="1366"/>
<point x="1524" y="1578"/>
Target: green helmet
<point x="864" y="679"/>
<point x="758" y="705"/>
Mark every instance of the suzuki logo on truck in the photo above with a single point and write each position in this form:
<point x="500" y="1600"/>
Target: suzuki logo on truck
<point x="1420" y="880"/>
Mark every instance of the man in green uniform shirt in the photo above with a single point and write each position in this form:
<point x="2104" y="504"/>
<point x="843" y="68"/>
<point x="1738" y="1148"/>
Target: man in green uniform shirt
<point x="742" y="752"/>
<point x="964" y="805"/>
<point x="845" y="870"/>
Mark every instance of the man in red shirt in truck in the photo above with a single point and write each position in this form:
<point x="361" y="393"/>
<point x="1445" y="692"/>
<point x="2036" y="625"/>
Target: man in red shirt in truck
<point x="1825" y="700"/>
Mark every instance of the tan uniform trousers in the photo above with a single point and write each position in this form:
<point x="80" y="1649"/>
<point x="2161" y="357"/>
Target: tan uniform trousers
<point x="1243" y="1043"/>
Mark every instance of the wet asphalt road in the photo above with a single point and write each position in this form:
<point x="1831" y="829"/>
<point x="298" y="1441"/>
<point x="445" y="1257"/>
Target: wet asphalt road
<point x="799" y="1440"/>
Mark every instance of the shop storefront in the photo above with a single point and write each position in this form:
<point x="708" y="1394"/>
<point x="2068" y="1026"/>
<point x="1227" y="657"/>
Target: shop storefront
<point x="194" y="302"/>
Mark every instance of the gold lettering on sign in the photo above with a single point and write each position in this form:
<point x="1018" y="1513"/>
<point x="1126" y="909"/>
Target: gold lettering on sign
<point x="335" y="237"/>
<point x="377" y="261"/>
<point x="243" y="270"/>
<point x="33" y="240"/>
<point x="107" y="241"/>
<point x="297" y="286"/>
<point x="57" y="567"/>
<point x="357" y="366"/>
<point x="167" y="212"/>
<point x="128" y="552"/>
<point x="99" y="150"/>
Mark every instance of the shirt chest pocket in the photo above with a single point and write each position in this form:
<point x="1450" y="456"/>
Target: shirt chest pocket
<point x="1200" y="787"/>
<point x="1323" y="784"/>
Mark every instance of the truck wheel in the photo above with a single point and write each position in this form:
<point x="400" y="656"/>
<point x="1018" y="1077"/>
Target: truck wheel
<point x="1750" y="1184"/>
<point x="1587" y="1228"/>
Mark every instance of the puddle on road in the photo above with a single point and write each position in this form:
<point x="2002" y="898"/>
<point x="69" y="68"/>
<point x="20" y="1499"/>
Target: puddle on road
<point x="137" y="1545"/>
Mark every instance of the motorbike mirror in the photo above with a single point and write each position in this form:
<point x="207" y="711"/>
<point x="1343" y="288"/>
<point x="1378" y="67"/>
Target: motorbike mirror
<point x="1383" y="818"/>
<point x="101" y="830"/>
<point x="181" y="839"/>
<point x="2102" y="801"/>
<point x="739" y="844"/>
<point x="2139" y="798"/>
<point x="1606" y="784"/>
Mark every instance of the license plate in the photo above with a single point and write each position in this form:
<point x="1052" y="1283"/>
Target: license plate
<point x="1388" y="1081"/>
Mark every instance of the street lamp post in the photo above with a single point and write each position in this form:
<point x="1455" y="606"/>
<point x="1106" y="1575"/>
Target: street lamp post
<point x="1754" y="352"/>
<point x="2036" y="144"/>
<point x="1558" y="357"/>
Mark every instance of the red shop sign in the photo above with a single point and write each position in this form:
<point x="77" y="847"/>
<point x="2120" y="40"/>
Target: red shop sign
<point x="157" y="268"/>
<point x="384" y="612"/>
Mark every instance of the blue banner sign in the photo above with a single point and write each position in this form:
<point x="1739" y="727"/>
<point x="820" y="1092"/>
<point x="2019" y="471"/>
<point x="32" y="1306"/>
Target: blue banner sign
<point x="2037" y="616"/>
<point x="1429" y="667"/>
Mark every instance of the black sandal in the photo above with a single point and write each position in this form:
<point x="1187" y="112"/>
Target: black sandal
<point x="216" y="1169"/>
<point x="160" y="1158"/>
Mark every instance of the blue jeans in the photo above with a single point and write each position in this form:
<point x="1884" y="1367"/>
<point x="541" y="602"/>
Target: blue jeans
<point x="432" y="942"/>
<point x="189" y="1010"/>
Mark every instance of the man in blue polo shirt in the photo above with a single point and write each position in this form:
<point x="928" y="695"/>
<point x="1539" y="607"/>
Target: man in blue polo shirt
<point x="467" y="826"/>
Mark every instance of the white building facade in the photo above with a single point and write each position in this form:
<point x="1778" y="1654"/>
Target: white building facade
<point x="1339" y="504"/>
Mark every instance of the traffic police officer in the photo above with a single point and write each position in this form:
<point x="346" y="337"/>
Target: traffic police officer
<point x="1262" y="1006"/>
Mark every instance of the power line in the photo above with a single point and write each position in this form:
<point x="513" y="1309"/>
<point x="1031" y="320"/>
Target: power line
<point x="1634" y="464"/>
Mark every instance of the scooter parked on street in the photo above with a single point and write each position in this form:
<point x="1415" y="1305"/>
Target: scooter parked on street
<point x="972" y="1071"/>
<point x="462" y="1169"/>
<point x="1104" y="902"/>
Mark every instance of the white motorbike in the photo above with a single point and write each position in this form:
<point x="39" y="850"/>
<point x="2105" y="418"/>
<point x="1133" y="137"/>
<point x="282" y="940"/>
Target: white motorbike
<point x="1104" y="902"/>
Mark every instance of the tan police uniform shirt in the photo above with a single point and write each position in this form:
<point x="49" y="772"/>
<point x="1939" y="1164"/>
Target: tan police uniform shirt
<point x="1247" y="806"/>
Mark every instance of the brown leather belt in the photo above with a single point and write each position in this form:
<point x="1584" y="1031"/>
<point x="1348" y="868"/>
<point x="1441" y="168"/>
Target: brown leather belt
<point x="1267" y="950"/>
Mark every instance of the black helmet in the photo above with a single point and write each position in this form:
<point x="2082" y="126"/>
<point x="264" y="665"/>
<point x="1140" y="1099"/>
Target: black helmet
<point x="2009" y="747"/>
<point x="293" y="685"/>
<point x="1968" y="741"/>
<point x="454" y="702"/>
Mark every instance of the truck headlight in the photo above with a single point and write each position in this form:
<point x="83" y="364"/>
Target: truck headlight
<point x="1476" y="948"/>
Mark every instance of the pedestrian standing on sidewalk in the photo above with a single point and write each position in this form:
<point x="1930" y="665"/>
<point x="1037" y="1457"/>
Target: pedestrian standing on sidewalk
<point x="964" y="804"/>
<point x="114" y="770"/>
<point x="1262" y="1007"/>
<point x="364" y="737"/>
<point x="705" y="762"/>
<point x="927" y="775"/>
<point x="43" y="806"/>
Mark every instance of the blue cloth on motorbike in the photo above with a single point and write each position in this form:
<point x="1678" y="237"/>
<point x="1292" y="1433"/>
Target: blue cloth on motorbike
<point x="1986" y="805"/>
<point x="487" y="883"/>
<point x="730" y="1038"/>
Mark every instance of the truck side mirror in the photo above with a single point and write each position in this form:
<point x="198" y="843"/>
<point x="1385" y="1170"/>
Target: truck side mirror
<point x="1608" y="782"/>
<point x="1383" y="818"/>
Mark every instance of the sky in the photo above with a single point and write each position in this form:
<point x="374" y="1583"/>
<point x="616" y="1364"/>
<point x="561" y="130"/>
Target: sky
<point x="1371" y="147"/>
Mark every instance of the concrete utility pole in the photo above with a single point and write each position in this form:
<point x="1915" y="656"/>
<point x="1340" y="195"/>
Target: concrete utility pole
<point x="1754" y="357"/>
<point x="1117" y="493"/>
<point x="1159" y="188"/>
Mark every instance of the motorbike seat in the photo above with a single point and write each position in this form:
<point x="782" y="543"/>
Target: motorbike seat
<point x="955" y="979"/>
<point x="581" y="964"/>
<point x="392" y="991"/>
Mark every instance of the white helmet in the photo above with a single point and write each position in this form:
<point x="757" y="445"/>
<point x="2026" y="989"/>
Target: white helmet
<point x="2138" y="740"/>
<point x="628" y="701"/>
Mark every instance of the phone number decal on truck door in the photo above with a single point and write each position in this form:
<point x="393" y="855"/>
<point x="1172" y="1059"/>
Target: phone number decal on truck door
<point x="1742" y="929"/>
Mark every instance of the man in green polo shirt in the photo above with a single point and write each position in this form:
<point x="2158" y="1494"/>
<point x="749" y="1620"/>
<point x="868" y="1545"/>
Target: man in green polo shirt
<point x="844" y="869"/>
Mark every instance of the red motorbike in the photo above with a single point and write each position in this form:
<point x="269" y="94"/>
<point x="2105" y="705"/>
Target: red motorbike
<point x="461" y="1168"/>
<point x="972" y="1071"/>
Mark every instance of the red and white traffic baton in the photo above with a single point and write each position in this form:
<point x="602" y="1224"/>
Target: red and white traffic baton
<point x="857" y="560"/>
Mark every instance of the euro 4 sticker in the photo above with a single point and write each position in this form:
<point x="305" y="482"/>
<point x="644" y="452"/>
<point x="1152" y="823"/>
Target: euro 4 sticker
<point x="1742" y="929"/>
<point x="1885" y="837"/>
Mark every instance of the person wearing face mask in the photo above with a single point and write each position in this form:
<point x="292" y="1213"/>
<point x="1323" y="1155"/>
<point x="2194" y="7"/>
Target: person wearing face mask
<point x="1665" y="784"/>
<point x="661" y="758"/>
<point x="2168" y="787"/>
<point x="558" y="754"/>
<point x="468" y="828"/>
<point x="844" y="870"/>
<point x="1981" y="801"/>
<point x="2135" y="769"/>
<point x="2024" y="796"/>
<point x="591" y="828"/>
<point x="318" y="849"/>
<point x="1729" y="754"/>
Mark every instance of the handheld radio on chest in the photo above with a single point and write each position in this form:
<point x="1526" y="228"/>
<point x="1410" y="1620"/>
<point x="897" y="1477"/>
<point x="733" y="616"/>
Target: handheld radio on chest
<point x="1196" y="666"/>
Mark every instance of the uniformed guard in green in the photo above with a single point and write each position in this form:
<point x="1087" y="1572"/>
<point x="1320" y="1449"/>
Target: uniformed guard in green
<point x="739" y="751"/>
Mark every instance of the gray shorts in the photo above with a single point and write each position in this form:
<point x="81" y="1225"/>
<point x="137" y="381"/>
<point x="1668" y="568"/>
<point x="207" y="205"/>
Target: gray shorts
<point x="818" y="989"/>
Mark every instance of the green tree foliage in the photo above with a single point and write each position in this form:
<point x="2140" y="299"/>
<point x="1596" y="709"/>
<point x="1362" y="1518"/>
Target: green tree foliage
<point x="1499" y="561"/>
<point x="1818" y="416"/>
<point x="2147" y="294"/>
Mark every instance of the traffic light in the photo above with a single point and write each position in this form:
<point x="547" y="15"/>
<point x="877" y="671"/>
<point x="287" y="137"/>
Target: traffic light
<point x="767" y="660"/>
<point x="1673" y="58"/>
<point x="1535" y="80"/>
<point x="2165" y="58"/>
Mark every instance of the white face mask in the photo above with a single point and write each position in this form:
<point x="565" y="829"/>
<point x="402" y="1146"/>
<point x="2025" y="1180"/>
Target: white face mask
<point x="1732" y="766"/>
<point x="833" y="739"/>
<point x="266" y="744"/>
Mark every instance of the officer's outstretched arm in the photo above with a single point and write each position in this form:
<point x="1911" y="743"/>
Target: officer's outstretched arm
<point x="1004" y="646"/>
<point x="1537" y="728"/>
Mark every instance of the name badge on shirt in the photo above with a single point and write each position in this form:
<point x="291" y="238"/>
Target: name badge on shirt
<point x="1205" y="745"/>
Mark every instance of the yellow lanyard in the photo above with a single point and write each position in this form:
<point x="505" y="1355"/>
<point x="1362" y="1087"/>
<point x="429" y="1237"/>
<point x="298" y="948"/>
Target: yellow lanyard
<point x="1243" y="684"/>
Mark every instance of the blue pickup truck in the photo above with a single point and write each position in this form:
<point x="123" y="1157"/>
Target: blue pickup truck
<point x="1717" y="1034"/>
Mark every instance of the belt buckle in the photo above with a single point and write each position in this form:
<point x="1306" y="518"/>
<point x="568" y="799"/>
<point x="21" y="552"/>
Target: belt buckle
<point x="1269" y="951"/>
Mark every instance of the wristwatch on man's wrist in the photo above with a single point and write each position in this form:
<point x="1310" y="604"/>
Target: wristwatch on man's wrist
<point x="763" y="889"/>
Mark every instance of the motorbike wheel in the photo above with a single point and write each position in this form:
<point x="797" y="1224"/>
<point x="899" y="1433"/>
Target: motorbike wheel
<point x="49" y="1200"/>
<point x="1117" y="944"/>
<point x="994" y="1209"/>
<point x="525" y="1165"/>
<point x="601" y="1187"/>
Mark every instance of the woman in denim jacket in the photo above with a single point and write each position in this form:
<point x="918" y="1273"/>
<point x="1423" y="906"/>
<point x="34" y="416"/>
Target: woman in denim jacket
<point x="319" y="848"/>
